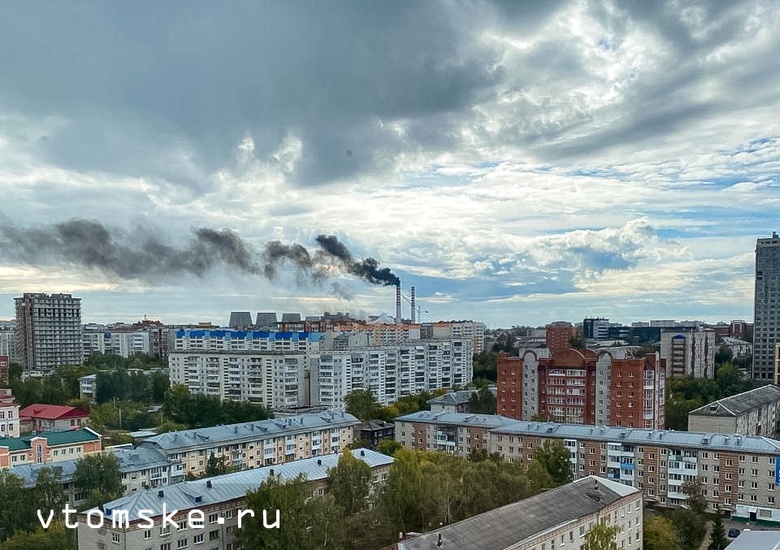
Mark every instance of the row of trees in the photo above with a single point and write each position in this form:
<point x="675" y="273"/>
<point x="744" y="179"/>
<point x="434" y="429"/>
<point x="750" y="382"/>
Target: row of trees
<point x="96" y="479"/>
<point x="423" y="491"/>
<point x="364" y="405"/>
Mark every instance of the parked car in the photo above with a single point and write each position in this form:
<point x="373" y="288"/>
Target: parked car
<point x="733" y="533"/>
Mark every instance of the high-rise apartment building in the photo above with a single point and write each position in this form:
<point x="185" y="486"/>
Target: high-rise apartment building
<point x="48" y="332"/>
<point x="766" y="331"/>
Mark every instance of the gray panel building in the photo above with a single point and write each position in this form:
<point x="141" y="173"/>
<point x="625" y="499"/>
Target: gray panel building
<point x="754" y="412"/>
<point x="48" y="332"/>
<point x="766" y="332"/>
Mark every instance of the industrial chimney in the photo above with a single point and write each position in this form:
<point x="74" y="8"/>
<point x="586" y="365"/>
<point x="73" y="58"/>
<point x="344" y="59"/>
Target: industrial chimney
<point x="414" y="311"/>
<point x="398" y="303"/>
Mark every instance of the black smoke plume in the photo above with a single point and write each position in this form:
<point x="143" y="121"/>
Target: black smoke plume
<point x="143" y="254"/>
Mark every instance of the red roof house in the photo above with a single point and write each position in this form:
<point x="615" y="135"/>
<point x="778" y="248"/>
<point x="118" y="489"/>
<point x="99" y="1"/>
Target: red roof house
<point x="52" y="418"/>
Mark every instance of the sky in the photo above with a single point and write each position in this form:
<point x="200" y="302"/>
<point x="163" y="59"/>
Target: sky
<point x="516" y="162"/>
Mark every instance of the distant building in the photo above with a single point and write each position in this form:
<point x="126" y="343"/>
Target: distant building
<point x="375" y="431"/>
<point x="254" y="444"/>
<point x="48" y="332"/>
<point x="688" y="351"/>
<point x="219" y="498"/>
<point x="739" y="348"/>
<point x="9" y="414"/>
<point x="4" y="369"/>
<point x="559" y="335"/>
<point x="52" y="418"/>
<point x="558" y="518"/>
<point x="595" y="328"/>
<point x="754" y="412"/>
<point x="455" y="433"/>
<point x="8" y="340"/>
<point x="766" y="331"/>
<point x="454" y="401"/>
<point x="240" y="320"/>
<point x="49" y="447"/>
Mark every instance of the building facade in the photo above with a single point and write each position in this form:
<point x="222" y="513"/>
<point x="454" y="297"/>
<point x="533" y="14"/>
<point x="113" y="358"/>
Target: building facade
<point x="254" y="444"/>
<point x="766" y="329"/>
<point x="739" y="474"/>
<point x="48" y="332"/>
<point x="754" y="412"/>
<point x="9" y="415"/>
<point x="689" y="351"/>
<point x="52" y="418"/>
<point x="583" y="387"/>
<point x="219" y="498"/>
<point x="48" y="447"/>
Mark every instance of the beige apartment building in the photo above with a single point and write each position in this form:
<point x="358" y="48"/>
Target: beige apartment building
<point x="754" y="412"/>
<point x="739" y="474"/>
<point x="254" y="444"/>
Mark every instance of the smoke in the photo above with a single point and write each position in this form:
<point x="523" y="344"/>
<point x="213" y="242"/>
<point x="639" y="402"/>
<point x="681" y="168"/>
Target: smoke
<point x="367" y="269"/>
<point x="142" y="254"/>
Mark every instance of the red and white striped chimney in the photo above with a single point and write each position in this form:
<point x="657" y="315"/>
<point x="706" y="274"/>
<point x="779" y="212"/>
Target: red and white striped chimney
<point x="398" y="303"/>
<point x="414" y="310"/>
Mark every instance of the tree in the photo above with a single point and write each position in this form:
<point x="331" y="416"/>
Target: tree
<point x="389" y="447"/>
<point x="14" y="509"/>
<point x="718" y="540"/>
<point x="56" y="536"/>
<point x="601" y="537"/>
<point x="690" y="527"/>
<point x="216" y="466"/>
<point x="482" y="401"/>
<point x="362" y="404"/>
<point x="577" y="341"/>
<point x="47" y="493"/>
<point x="98" y="476"/>
<point x="659" y="533"/>
<point x="556" y="459"/>
<point x="350" y="483"/>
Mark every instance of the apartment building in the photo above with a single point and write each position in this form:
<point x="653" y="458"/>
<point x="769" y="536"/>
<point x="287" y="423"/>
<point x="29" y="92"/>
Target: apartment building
<point x="754" y="412"/>
<point x="455" y="433"/>
<point x="8" y="341"/>
<point x="48" y="332"/>
<point x="219" y="498"/>
<point x="393" y="371"/>
<point x="4" y="369"/>
<point x="49" y="447"/>
<point x="766" y="330"/>
<point x="689" y="351"/>
<point x="254" y="444"/>
<point x="559" y="518"/>
<point x="739" y="474"/>
<point x="275" y="379"/>
<point x="610" y="386"/>
<point x="114" y="340"/>
<point x="9" y="414"/>
<point x="243" y="340"/>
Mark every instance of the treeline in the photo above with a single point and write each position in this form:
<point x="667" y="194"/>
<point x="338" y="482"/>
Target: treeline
<point x="364" y="405"/>
<point x="97" y="479"/>
<point x="423" y="491"/>
<point x="686" y="394"/>
<point x="199" y="411"/>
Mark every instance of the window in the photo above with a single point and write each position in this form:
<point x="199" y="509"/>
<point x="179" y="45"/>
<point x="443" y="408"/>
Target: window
<point x="214" y="535"/>
<point x="182" y="543"/>
<point x="213" y="518"/>
<point x="115" y="538"/>
<point x="147" y="534"/>
<point x="197" y="539"/>
<point x="165" y="546"/>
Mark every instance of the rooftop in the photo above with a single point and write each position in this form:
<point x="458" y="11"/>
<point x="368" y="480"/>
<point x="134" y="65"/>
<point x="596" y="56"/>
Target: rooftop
<point x="756" y="540"/>
<point x="81" y="435"/>
<point x="739" y="404"/>
<point x="249" y="431"/>
<point x="51" y="412"/>
<point x="452" y="398"/>
<point x="214" y="490"/>
<point x="506" y="526"/>
<point x="483" y="420"/>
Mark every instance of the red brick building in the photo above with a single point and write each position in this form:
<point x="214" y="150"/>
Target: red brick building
<point x="583" y="387"/>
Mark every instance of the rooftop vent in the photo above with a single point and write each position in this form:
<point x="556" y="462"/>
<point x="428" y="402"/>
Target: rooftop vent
<point x="319" y="462"/>
<point x="208" y="484"/>
<point x="160" y="494"/>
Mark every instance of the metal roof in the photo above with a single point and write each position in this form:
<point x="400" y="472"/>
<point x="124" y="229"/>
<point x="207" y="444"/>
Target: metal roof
<point x="739" y="404"/>
<point x="452" y="398"/>
<point x="232" y="434"/>
<point x="29" y="472"/>
<point x="507" y="526"/>
<point x="756" y="540"/>
<point x="615" y="434"/>
<point x="224" y="488"/>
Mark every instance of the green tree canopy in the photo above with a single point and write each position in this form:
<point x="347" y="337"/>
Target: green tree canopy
<point x="98" y="476"/>
<point x="362" y="404"/>
<point x="601" y="537"/>
<point x="718" y="540"/>
<point x="350" y="483"/>
<point x="556" y="459"/>
<point x="659" y="533"/>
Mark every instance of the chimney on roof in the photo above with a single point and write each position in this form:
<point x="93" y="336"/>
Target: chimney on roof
<point x="160" y="494"/>
<point x="319" y="462"/>
<point x="208" y="484"/>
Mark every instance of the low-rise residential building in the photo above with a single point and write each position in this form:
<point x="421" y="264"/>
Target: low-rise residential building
<point x="219" y="498"/>
<point x="9" y="414"/>
<point x="49" y="447"/>
<point x="456" y="433"/>
<point x="374" y="431"/>
<point x="254" y="444"/>
<point x="739" y="474"/>
<point x="454" y="401"/>
<point x="52" y="418"/>
<point x="754" y="412"/>
<point x="146" y="468"/>
<point x="559" y="518"/>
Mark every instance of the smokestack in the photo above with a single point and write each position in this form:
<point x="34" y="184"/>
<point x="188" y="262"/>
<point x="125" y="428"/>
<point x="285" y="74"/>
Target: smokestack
<point x="414" y="311"/>
<point x="398" y="303"/>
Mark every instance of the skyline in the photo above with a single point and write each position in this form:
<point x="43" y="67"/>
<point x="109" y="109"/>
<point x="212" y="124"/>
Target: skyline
<point x="517" y="163"/>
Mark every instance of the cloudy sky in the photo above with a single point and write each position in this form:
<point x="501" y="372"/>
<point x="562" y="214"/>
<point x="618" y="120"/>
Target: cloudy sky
<point x="516" y="162"/>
